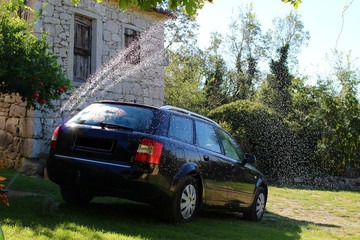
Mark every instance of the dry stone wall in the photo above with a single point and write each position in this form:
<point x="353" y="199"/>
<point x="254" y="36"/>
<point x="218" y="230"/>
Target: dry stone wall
<point x="19" y="141"/>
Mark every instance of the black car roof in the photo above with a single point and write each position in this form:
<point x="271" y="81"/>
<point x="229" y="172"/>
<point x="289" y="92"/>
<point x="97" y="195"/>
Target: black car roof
<point x="166" y="107"/>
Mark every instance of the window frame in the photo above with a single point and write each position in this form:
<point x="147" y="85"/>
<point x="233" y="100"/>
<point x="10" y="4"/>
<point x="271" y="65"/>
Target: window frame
<point x="78" y="51"/>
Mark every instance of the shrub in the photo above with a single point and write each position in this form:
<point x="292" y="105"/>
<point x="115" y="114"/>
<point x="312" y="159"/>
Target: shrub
<point x="281" y="154"/>
<point x="26" y="65"/>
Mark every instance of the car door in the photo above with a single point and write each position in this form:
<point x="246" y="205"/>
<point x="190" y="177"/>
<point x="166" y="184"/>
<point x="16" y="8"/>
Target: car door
<point x="242" y="187"/>
<point x="214" y="167"/>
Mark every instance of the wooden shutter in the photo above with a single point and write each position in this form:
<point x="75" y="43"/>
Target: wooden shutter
<point x="82" y="48"/>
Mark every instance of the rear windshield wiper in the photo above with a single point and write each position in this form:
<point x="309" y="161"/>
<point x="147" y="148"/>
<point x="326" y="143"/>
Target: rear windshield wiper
<point x="115" y="126"/>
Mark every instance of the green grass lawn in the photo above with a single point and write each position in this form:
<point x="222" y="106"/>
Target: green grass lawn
<point x="291" y="214"/>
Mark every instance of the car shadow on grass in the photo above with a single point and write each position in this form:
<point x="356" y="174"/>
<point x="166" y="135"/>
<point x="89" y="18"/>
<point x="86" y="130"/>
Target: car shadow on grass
<point x="51" y="217"/>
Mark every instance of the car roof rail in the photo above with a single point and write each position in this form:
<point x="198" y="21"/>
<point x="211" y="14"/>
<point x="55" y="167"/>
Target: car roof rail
<point x="184" y="111"/>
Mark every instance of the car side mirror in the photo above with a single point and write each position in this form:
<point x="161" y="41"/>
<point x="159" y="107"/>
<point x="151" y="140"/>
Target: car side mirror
<point x="249" y="158"/>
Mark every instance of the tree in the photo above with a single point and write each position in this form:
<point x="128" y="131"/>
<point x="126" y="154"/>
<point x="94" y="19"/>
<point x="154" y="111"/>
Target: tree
<point x="280" y="80"/>
<point x="184" y="73"/>
<point x="190" y="6"/>
<point x="26" y="65"/>
<point x="183" y="78"/>
<point x="181" y="31"/>
<point x="340" y="116"/>
<point x="245" y="46"/>
<point x="288" y="30"/>
<point x="215" y="73"/>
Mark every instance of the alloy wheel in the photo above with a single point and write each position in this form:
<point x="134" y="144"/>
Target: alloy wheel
<point x="260" y="205"/>
<point x="188" y="201"/>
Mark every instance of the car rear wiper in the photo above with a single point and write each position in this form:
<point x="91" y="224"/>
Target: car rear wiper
<point x="115" y="126"/>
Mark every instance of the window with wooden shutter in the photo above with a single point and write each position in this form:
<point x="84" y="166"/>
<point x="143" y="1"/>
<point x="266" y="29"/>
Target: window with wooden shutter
<point x="82" y="48"/>
<point x="132" y="42"/>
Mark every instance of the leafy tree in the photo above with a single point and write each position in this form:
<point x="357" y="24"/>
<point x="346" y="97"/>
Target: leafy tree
<point x="184" y="73"/>
<point x="26" y="65"/>
<point x="327" y="115"/>
<point x="190" y="6"/>
<point x="295" y="3"/>
<point x="340" y="116"/>
<point x="215" y="73"/>
<point x="181" y="32"/>
<point x="280" y="81"/>
<point x="245" y="45"/>
<point x="275" y="90"/>
<point x="183" y="78"/>
<point x="287" y="31"/>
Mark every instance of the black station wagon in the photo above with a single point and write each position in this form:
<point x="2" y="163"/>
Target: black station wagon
<point x="174" y="159"/>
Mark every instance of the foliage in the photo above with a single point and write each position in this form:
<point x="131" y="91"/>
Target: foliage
<point x="300" y="129"/>
<point x="26" y="65"/>
<point x="184" y="73"/>
<point x="295" y="3"/>
<point x="245" y="45"/>
<point x="3" y="197"/>
<point x="183" y="80"/>
<point x="286" y="31"/>
<point x="281" y="153"/>
<point x="339" y="114"/>
<point x="189" y="6"/>
<point x="215" y="73"/>
<point x="280" y="81"/>
<point x="181" y="32"/>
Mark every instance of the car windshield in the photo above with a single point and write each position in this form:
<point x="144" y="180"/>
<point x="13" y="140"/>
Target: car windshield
<point x="132" y="117"/>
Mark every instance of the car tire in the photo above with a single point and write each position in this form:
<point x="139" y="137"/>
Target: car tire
<point x="257" y="208"/>
<point x="75" y="196"/>
<point x="185" y="202"/>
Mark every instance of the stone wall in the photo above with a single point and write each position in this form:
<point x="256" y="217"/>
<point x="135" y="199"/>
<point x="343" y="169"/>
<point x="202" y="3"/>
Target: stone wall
<point x="25" y="134"/>
<point x="331" y="182"/>
<point x="18" y="138"/>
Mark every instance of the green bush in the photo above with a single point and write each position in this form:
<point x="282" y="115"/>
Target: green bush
<point x="281" y="153"/>
<point x="26" y="65"/>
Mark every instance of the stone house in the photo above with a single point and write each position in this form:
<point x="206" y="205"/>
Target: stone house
<point x="89" y="40"/>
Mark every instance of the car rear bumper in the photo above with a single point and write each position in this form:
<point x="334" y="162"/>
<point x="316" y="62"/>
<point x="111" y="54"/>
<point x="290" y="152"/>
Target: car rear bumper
<point x="109" y="179"/>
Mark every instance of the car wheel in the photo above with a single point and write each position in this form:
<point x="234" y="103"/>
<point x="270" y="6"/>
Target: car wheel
<point x="185" y="202"/>
<point x="75" y="196"/>
<point x="257" y="209"/>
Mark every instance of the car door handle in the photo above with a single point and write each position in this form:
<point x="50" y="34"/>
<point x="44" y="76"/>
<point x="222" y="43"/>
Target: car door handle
<point x="206" y="158"/>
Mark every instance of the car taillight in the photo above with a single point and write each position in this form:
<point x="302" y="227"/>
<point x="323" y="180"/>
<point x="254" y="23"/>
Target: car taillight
<point x="54" y="138"/>
<point x="149" y="151"/>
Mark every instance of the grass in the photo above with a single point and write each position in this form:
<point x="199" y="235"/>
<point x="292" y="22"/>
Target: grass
<point x="291" y="214"/>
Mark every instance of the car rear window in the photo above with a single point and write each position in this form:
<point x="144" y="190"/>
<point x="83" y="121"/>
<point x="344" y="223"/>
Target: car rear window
<point x="132" y="117"/>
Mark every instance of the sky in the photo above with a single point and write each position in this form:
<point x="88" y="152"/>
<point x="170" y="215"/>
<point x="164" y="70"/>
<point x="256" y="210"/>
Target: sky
<point x="322" y="18"/>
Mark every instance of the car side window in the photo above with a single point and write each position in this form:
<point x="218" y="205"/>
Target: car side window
<point x="206" y="137"/>
<point x="230" y="146"/>
<point x="181" y="129"/>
